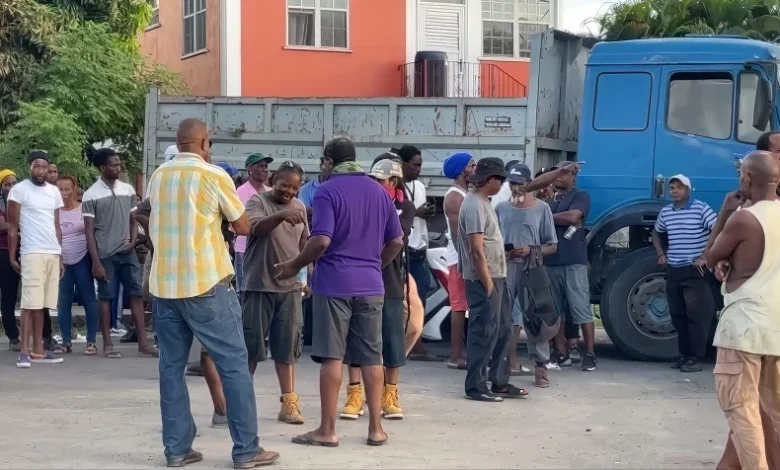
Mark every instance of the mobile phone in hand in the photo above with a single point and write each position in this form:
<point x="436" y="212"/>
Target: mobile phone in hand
<point x="509" y="247"/>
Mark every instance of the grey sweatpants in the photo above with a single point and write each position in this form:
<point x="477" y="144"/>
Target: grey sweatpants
<point x="538" y="345"/>
<point x="490" y="331"/>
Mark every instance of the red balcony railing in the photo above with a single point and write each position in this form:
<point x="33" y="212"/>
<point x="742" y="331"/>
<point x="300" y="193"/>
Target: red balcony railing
<point x="453" y="79"/>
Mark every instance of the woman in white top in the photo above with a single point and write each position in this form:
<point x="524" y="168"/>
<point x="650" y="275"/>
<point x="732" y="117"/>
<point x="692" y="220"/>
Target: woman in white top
<point x="78" y="269"/>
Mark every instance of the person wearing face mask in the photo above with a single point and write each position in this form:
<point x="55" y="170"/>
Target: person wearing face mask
<point x="33" y="210"/>
<point x="9" y="278"/>
<point x="386" y="170"/>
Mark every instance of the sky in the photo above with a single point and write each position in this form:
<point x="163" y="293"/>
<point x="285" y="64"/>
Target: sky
<point x="575" y="12"/>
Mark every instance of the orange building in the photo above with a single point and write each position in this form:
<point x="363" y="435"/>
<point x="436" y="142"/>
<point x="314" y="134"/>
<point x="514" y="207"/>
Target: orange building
<point x="348" y="48"/>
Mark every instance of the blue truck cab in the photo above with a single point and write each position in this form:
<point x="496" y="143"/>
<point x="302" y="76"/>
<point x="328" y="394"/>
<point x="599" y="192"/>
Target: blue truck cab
<point x="652" y="109"/>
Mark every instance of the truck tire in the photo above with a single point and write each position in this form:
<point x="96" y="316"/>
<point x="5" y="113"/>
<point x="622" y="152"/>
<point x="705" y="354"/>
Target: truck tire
<point x="634" y="308"/>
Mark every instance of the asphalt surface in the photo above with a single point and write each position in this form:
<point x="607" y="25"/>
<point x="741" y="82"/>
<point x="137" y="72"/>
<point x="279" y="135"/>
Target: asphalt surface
<point x="91" y="412"/>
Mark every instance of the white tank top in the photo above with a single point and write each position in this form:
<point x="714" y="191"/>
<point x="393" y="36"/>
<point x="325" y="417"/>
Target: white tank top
<point x="452" y="252"/>
<point x="750" y="320"/>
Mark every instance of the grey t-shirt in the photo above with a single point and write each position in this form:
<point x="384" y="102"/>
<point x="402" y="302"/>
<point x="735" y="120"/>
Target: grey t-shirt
<point x="477" y="216"/>
<point x="282" y="244"/>
<point x="110" y="208"/>
<point x="531" y="226"/>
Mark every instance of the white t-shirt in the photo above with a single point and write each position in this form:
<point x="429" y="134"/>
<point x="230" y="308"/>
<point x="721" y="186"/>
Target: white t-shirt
<point x="418" y="237"/>
<point x="36" y="218"/>
<point x="502" y="195"/>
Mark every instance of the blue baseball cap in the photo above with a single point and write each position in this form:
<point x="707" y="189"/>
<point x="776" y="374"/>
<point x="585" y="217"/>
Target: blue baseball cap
<point x="519" y="173"/>
<point x="229" y="169"/>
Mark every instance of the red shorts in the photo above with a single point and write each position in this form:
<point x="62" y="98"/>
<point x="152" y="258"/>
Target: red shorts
<point x="457" y="290"/>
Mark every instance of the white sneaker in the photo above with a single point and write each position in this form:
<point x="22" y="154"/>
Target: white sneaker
<point x="552" y="366"/>
<point x="118" y="332"/>
<point x="79" y="339"/>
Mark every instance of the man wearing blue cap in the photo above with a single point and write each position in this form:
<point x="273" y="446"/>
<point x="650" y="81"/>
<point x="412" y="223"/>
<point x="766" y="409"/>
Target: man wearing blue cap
<point x="457" y="167"/>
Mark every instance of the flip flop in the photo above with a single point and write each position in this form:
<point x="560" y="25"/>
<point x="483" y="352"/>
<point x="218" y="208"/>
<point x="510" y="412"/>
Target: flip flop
<point x="456" y="365"/>
<point x="509" y="391"/>
<point x="151" y="352"/>
<point x="308" y="440"/>
<point x="377" y="443"/>
<point x="424" y="358"/>
<point x="111" y="354"/>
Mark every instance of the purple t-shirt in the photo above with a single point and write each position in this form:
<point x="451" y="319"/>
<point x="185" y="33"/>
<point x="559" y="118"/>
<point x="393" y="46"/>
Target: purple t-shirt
<point x="359" y="217"/>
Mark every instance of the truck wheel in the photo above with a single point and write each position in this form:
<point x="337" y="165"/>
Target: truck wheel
<point x="634" y="309"/>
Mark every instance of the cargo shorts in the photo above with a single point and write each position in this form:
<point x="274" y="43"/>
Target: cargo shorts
<point x="347" y="328"/>
<point x="277" y="316"/>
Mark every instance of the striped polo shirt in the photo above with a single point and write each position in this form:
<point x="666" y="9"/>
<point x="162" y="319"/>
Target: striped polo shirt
<point x="688" y="229"/>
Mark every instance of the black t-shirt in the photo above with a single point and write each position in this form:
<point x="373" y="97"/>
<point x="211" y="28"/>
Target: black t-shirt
<point x="575" y="250"/>
<point x="393" y="273"/>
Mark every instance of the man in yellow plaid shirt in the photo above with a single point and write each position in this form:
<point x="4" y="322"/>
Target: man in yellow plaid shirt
<point x="190" y="277"/>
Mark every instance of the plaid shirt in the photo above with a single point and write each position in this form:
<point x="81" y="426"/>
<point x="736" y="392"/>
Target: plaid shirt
<point x="189" y="198"/>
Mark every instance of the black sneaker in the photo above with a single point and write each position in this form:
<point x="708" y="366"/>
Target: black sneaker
<point x="15" y="345"/>
<point x="564" y="361"/>
<point x="482" y="395"/>
<point x="129" y="337"/>
<point x="574" y="355"/>
<point x="679" y="362"/>
<point x="50" y="344"/>
<point x="691" y="365"/>
<point x="589" y="362"/>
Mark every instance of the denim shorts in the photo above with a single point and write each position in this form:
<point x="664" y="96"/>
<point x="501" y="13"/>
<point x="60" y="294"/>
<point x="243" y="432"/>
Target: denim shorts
<point x="571" y="292"/>
<point x="125" y="268"/>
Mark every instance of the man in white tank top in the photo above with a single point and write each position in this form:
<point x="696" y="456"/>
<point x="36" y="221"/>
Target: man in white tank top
<point x="456" y="167"/>
<point x="744" y="248"/>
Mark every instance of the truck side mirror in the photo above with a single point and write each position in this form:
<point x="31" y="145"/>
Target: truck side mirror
<point x="762" y="107"/>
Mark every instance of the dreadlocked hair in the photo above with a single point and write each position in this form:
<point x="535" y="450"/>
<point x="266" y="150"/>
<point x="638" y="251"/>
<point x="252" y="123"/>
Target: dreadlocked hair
<point x="100" y="156"/>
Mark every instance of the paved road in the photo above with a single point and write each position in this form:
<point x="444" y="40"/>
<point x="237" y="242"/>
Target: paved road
<point x="100" y="413"/>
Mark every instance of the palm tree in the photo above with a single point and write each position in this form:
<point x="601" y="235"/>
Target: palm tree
<point x="636" y="19"/>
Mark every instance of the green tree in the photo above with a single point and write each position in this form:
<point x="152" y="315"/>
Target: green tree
<point x="74" y="69"/>
<point x="637" y="19"/>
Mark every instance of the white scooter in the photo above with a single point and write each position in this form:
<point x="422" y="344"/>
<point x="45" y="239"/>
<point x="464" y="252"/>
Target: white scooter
<point x="437" y="307"/>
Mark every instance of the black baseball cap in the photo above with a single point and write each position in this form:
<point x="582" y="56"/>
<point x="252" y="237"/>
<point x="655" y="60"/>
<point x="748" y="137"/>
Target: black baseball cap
<point x="487" y="167"/>
<point x="38" y="154"/>
<point x="519" y="173"/>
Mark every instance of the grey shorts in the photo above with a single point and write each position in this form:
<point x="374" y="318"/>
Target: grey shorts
<point x="572" y="293"/>
<point x="347" y="327"/>
<point x="393" y="346"/>
<point x="124" y="268"/>
<point x="277" y="316"/>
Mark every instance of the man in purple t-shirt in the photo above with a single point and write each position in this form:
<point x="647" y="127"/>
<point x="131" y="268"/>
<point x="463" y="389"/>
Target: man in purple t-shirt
<point x="355" y="232"/>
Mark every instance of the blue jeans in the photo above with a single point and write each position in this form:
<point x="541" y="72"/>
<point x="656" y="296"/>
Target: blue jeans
<point x="78" y="276"/>
<point x="215" y="319"/>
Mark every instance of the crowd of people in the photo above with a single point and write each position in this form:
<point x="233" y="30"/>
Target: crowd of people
<point x="234" y="265"/>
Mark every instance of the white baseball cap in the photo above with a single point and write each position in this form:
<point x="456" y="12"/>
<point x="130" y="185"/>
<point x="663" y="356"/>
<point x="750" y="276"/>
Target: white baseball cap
<point x="171" y="152"/>
<point x="682" y="179"/>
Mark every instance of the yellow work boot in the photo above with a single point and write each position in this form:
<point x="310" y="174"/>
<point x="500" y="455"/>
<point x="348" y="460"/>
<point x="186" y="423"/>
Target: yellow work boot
<point x="391" y="408"/>
<point x="354" y="406"/>
<point x="290" y="413"/>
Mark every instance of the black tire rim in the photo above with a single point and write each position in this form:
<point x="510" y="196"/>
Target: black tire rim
<point x="648" y="309"/>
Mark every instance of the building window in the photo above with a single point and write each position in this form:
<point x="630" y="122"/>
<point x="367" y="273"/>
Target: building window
<point x="701" y="104"/>
<point x="317" y="23"/>
<point x="507" y="25"/>
<point x="194" y="26"/>
<point x="155" y="4"/>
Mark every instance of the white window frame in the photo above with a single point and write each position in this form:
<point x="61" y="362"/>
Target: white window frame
<point x="195" y="31"/>
<point x="318" y="9"/>
<point x="515" y="28"/>
<point x="155" y="4"/>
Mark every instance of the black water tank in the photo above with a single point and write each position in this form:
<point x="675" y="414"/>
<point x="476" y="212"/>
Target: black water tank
<point x="430" y="74"/>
